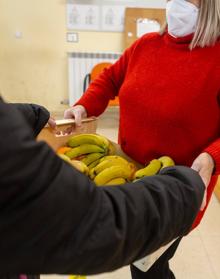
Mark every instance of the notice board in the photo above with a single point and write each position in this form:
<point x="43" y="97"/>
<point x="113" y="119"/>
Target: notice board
<point x="139" y="21"/>
<point x="103" y="15"/>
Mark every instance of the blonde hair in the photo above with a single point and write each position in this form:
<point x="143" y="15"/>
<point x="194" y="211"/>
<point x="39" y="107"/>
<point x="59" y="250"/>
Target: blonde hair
<point x="208" y="26"/>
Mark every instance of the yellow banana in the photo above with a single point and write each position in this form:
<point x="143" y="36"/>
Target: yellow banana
<point x="116" y="181"/>
<point x="64" y="157"/>
<point x="93" y="164"/>
<point x="135" y="180"/>
<point x="77" y="277"/>
<point x="75" y="163"/>
<point x="94" y="139"/>
<point x="109" y="163"/>
<point x="114" y="157"/>
<point x="151" y="169"/>
<point x="92" y="173"/>
<point x="113" y="172"/>
<point x="111" y="149"/>
<point x="84" y="149"/>
<point x="133" y="169"/>
<point x="80" y="166"/>
<point x="166" y="161"/>
<point x="90" y="158"/>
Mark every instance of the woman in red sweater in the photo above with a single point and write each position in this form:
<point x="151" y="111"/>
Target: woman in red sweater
<point x="168" y="86"/>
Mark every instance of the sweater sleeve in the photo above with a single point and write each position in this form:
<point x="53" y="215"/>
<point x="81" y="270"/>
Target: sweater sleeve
<point x="55" y="220"/>
<point x="106" y="86"/>
<point x="214" y="150"/>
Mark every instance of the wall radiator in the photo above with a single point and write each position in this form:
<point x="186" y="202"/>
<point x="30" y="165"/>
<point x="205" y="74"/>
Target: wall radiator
<point x="79" y="65"/>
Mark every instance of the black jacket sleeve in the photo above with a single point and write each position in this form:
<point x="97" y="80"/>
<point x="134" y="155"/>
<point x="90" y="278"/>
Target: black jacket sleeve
<point x="35" y="115"/>
<point x="55" y="220"/>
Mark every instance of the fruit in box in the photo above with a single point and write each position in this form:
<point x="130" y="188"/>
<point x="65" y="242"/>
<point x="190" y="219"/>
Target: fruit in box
<point x="79" y="165"/>
<point x="84" y="149"/>
<point x="114" y="172"/>
<point x="93" y="139"/>
<point x="166" y="161"/>
<point x="151" y="169"/>
<point x="92" y="157"/>
<point x="154" y="167"/>
<point x="95" y="156"/>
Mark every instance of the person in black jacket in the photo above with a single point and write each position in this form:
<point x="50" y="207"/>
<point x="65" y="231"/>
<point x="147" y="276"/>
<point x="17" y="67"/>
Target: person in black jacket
<point x="55" y="220"/>
<point x="37" y="116"/>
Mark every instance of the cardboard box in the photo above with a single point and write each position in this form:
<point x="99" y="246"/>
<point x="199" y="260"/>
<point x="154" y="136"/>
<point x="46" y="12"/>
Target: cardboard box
<point x="89" y="125"/>
<point x="217" y="189"/>
<point x="55" y="140"/>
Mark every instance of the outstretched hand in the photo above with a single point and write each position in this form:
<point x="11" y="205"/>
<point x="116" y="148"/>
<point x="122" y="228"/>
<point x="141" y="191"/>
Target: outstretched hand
<point x="204" y="165"/>
<point x="77" y="112"/>
<point x="52" y="123"/>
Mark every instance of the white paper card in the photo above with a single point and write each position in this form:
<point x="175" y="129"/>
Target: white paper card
<point x="145" y="26"/>
<point x="113" y="18"/>
<point x="83" y="17"/>
<point x="145" y="263"/>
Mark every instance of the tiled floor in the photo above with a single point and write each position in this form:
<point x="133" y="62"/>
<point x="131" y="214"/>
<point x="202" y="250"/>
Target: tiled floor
<point x="198" y="256"/>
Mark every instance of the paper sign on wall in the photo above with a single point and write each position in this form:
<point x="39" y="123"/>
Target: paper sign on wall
<point x="145" y="26"/>
<point x="83" y="17"/>
<point x="112" y="18"/>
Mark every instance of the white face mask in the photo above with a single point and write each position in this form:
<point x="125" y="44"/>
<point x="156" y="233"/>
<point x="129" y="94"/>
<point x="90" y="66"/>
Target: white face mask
<point x="182" y="17"/>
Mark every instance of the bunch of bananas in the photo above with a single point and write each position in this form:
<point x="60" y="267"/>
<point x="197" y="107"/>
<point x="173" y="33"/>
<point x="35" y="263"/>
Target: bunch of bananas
<point x="84" y="151"/>
<point x="154" y="167"/>
<point x="112" y="170"/>
<point x="93" y="155"/>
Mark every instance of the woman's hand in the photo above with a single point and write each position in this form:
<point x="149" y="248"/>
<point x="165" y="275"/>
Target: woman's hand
<point x="77" y="112"/>
<point x="52" y="123"/>
<point x="204" y="165"/>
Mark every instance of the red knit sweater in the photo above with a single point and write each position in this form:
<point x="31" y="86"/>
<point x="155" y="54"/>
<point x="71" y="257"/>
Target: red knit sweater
<point x="169" y="100"/>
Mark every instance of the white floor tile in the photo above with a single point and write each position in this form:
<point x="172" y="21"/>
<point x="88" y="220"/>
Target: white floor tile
<point x="212" y="246"/>
<point x="210" y="224"/>
<point x="54" y="276"/>
<point x="215" y="199"/>
<point x="195" y="232"/>
<point x="123" y="273"/>
<point x="191" y="260"/>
